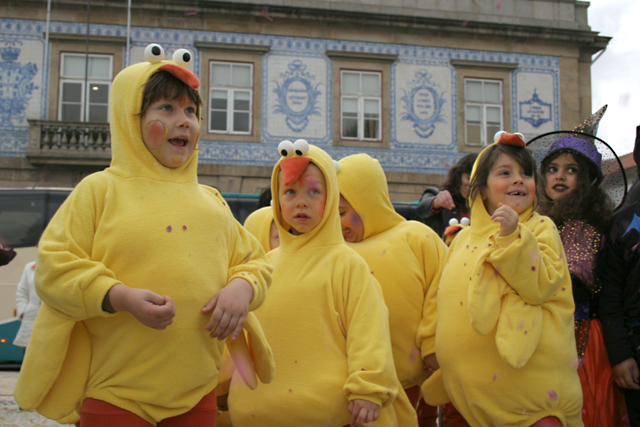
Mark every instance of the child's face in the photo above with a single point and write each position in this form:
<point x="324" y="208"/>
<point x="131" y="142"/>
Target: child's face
<point x="274" y="237"/>
<point x="302" y="202"/>
<point x="170" y="130"/>
<point x="561" y="176"/>
<point x="352" y="226"/>
<point x="508" y="184"/>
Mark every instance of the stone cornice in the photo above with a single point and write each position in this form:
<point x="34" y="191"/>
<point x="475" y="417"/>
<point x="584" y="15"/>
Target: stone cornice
<point x="362" y="56"/>
<point x="93" y="38"/>
<point x="247" y="48"/>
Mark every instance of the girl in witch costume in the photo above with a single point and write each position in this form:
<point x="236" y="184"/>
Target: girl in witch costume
<point x="582" y="208"/>
<point x="504" y="334"/>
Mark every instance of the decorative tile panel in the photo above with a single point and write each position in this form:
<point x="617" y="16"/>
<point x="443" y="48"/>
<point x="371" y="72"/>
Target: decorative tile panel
<point x="297" y="90"/>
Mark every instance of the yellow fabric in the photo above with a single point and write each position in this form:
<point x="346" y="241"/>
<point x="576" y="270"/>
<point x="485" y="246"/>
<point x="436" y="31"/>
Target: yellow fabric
<point x="327" y="326"/>
<point x="259" y="225"/>
<point x="146" y="226"/>
<point x="505" y="339"/>
<point x="405" y="257"/>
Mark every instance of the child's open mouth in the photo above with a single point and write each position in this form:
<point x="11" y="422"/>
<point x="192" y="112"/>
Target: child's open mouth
<point x="179" y="142"/>
<point x="560" y="188"/>
<point x="302" y="217"/>
<point x="516" y="193"/>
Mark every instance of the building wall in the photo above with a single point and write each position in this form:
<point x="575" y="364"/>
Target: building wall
<point x="540" y="50"/>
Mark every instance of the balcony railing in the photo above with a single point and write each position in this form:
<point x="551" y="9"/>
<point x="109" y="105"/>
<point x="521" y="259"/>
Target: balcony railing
<point x="69" y="143"/>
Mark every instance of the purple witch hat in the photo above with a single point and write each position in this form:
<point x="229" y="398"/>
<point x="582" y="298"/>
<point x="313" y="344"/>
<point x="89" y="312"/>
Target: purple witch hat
<point x="605" y="164"/>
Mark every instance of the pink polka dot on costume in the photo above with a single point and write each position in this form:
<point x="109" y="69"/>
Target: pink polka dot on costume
<point x="372" y="272"/>
<point x="243" y="274"/>
<point x="533" y="268"/>
<point x="542" y="220"/>
<point x="525" y="332"/>
<point x="184" y="227"/>
<point x="524" y="411"/>
<point x="460" y="302"/>
<point x="563" y="289"/>
<point x="467" y="246"/>
<point x="362" y="369"/>
<point x="552" y="395"/>
<point x="255" y="282"/>
<point x="465" y="264"/>
<point x="290" y="390"/>
<point x="495" y="377"/>
<point x="415" y="352"/>
<point x="491" y="237"/>
<point x="169" y="228"/>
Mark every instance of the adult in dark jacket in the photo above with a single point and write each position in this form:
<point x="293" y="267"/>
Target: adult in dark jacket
<point x="620" y="299"/>
<point x="438" y="207"/>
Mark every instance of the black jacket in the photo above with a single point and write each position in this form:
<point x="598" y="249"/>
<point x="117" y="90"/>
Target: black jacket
<point x="619" y="270"/>
<point x="438" y="220"/>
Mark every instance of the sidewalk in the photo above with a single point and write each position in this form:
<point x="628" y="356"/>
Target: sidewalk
<point x="10" y="414"/>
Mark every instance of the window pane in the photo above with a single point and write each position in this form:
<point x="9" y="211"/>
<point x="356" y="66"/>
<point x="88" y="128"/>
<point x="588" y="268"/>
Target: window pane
<point x="73" y="66"/>
<point x="492" y="130"/>
<point x="350" y="105"/>
<point x="371" y="84"/>
<point x="220" y="74"/>
<point x="350" y="82"/>
<point x="492" y="92"/>
<point x="474" y="113"/>
<point x="218" y="120"/>
<point x="99" y="68"/>
<point x="473" y="91"/>
<point x="241" y="100"/>
<point x="241" y="122"/>
<point x="350" y="128"/>
<point x="98" y="93"/>
<point x="98" y="113"/>
<point x="241" y="76"/>
<point x="218" y="100"/>
<point x="71" y="92"/>
<point x="371" y="106"/>
<point x="371" y="129"/>
<point x="474" y="135"/>
<point x="70" y="112"/>
<point x="493" y="115"/>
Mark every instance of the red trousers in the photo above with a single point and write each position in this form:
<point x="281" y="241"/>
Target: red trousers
<point x="96" y="413"/>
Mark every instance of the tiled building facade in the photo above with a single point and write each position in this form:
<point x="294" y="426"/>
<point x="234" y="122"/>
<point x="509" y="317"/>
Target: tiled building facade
<point x="415" y="84"/>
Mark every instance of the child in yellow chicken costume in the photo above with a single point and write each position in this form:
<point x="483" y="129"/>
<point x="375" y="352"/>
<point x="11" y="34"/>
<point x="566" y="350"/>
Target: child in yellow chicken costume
<point x="325" y="318"/>
<point x="261" y="225"/>
<point x="504" y="337"/>
<point x="136" y="268"/>
<point x="404" y="256"/>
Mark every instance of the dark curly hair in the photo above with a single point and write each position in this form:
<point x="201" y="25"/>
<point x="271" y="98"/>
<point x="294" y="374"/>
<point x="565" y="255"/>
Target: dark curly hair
<point x="489" y="158"/>
<point x="587" y="202"/>
<point x="454" y="179"/>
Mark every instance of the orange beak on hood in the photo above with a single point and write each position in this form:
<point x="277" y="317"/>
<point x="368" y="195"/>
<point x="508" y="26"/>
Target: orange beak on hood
<point x="512" y="139"/>
<point x="292" y="168"/>
<point x="184" y="74"/>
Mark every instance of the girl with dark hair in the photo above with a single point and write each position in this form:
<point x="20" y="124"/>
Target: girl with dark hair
<point x="582" y="211"/>
<point x="505" y="342"/>
<point x="438" y="207"/>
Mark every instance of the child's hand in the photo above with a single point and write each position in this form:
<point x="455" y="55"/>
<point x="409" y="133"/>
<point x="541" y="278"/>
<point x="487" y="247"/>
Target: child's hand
<point x="626" y="374"/>
<point x="443" y="200"/>
<point x="431" y="363"/>
<point x="230" y="307"/>
<point x="149" y="308"/>
<point x="363" y="411"/>
<point x="507" y="217"/>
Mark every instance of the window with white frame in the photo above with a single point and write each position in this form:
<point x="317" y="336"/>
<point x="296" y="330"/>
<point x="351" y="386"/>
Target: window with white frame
<point x="360" y="105"/>
<point x="77" y="102"/>
<point x="483" y="110"/>
<point x="230" y="98"/>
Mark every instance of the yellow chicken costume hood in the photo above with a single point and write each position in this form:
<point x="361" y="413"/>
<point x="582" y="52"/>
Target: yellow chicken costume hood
<point x="363" y="183"/>
<point x="506" y="344"/>
<point x="296" y="157"/>
<point x="56" y="372"/>
<point x="259" y="224"/>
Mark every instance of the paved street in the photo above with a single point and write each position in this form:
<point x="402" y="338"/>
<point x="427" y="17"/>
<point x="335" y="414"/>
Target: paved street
<point x="10" y="414"/>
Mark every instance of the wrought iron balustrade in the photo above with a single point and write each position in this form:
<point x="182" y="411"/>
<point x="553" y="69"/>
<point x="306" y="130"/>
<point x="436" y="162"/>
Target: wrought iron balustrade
<point x="56" y="142"/>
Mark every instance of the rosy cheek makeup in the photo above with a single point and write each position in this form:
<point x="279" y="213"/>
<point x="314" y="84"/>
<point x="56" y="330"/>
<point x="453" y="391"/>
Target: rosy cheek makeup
<point x="154" y="133"/>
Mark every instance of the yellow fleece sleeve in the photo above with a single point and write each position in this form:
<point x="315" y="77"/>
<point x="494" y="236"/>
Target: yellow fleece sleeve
<point x="248" y="260"/>
<point x="372" y="375"/>
<point x="432" y="251"/>
<point x="67" y="279"/>
<point x="531" y="260"/>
